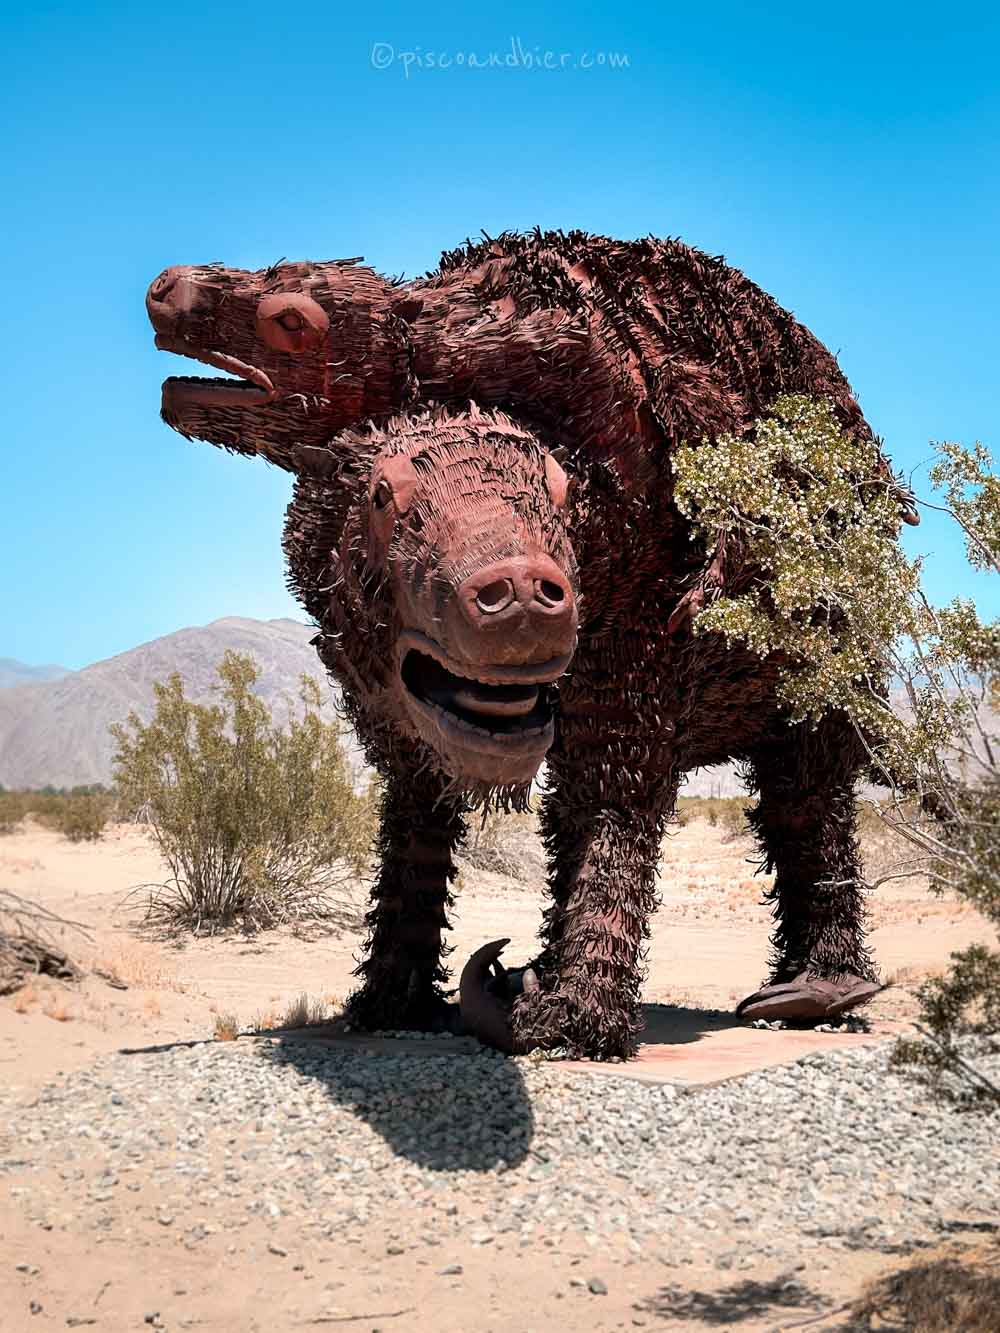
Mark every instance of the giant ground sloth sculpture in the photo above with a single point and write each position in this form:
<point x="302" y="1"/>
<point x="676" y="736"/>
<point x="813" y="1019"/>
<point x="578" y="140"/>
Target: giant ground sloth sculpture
<point x="483" y="612"/>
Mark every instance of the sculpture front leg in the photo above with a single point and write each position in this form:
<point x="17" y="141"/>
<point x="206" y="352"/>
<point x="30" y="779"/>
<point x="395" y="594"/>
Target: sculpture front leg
<point x="402" y="971"/>
<point x="604" y="859"/>
<point x="602" y="822"/>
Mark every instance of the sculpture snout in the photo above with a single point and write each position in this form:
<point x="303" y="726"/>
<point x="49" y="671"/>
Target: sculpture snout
<point x="526" y="603"/>
<point x="172" y="296"/>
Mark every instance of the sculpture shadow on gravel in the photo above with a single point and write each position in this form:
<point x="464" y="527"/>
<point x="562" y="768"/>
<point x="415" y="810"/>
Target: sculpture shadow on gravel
<point x="466" y="1110"/>
<point x="445" y="1104"/>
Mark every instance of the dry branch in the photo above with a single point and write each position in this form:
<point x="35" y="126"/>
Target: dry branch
<point x="26" y="944"/>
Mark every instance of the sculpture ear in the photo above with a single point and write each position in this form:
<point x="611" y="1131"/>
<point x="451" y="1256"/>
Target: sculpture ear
<point x="398" y="474"/>
<point x="309" y="460"/>
<point x="557" y="481"/>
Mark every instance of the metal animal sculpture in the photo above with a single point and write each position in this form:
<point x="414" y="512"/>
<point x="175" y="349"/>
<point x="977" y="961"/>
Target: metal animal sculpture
<point x="483" y="610"/>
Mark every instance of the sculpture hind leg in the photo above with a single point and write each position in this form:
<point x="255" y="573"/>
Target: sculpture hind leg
<point x="805" y="821"/>
<point x="402" y="971"/>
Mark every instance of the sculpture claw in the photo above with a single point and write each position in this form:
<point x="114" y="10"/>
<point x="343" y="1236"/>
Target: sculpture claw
<point x="808" y="997"/>
<point x="483" y="1014"/>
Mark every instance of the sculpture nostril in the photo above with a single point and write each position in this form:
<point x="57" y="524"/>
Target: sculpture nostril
<point x="162" y="287"/>
<point x="496" y="596"/>
<point x="549" y="593"/>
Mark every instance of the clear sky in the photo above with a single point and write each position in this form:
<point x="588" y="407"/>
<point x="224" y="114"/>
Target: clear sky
<point x="845" y="157"/>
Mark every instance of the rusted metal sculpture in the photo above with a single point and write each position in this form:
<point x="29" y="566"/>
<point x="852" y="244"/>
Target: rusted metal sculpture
<point x="457" y="572"/>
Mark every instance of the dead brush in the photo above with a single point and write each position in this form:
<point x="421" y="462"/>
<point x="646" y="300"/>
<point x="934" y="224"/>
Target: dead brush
<point x="958" y="1292"/>
<point x="226" y="1027"/>
<point x="55" y="1008"/>
<point x="134" y="965"/>
<point x="505" y="844"/>
<point x="26" y="944"/>
<point x="303" y="1011"/>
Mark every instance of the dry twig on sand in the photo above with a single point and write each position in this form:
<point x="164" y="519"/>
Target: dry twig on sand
<point x="26" y="944"/>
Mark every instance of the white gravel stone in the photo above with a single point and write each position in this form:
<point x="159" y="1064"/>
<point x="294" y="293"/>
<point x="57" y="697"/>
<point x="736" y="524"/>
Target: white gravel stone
<point x="836" y="1146"/>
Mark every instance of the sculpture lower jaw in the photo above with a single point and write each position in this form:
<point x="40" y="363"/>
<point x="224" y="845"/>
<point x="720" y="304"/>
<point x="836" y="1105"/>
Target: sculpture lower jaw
<point x="476" y="757"/>
<point x="181" y="393"/>
<point x="490" y="724"/>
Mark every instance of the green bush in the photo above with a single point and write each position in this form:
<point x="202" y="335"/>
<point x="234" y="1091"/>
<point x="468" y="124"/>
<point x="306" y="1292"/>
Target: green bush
<point x="799" y="524"/>
<point x="258" y="825"/>
<point x="13" y="808"/>
<point x="80" y="814"/>
<point x="727" y="811"/>
<point x="80" y="818"/>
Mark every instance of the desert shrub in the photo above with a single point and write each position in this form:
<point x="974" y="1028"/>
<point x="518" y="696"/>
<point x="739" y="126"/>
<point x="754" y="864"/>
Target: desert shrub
<point x="504" y="843"/>
<point x="258" y="825"/>
<point x="799" y="522"/>
<point x="727" y="811"/>
<point x="80" y="818"/>
<point x="13" y="808"/>
<point x="81" y="813"/>
<point x="733" y="818"/>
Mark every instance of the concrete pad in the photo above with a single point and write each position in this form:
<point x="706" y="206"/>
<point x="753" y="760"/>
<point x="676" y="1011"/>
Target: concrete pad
<point x="692" y="1049"/>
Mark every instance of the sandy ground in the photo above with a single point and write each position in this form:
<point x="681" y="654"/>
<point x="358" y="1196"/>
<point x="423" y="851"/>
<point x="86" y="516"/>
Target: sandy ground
<point x="708" y="949"/>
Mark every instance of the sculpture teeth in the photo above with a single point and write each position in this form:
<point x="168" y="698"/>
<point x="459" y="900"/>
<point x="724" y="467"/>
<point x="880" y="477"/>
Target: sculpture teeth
<point x="460" y="724"/>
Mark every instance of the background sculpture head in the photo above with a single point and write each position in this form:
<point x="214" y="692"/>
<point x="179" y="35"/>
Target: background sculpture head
<point x="434" y="555"/>
<point x="316" y="347"/>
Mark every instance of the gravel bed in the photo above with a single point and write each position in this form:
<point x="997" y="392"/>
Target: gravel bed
<point x="834" y="1150"/>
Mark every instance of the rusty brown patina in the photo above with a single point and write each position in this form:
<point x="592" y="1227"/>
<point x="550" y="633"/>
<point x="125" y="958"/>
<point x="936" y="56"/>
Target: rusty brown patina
<point x="484" y="533"/>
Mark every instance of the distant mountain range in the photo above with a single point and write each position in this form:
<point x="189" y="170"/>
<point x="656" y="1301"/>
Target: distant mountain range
<point x="54" y="723"/>
<point x="55" y="729"/>
<point x="13" y="672"/>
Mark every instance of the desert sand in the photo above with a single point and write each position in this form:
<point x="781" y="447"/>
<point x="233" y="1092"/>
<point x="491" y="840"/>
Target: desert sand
<point x="708" y="949"/>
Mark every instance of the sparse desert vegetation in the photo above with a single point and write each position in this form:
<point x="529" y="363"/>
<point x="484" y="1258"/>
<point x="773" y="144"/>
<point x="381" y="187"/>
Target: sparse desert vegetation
<point x="81" y="814"/>
<point x="226" y="1027"/>
<point x="257" y="824"/>
<point x="956" y="1290"/>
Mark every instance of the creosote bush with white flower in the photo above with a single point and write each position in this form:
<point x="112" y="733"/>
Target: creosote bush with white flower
<point x="800" y="523"/>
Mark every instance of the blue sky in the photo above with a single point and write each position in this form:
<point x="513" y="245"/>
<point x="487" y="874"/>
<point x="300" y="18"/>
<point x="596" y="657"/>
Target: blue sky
<point x="846" y="160"/>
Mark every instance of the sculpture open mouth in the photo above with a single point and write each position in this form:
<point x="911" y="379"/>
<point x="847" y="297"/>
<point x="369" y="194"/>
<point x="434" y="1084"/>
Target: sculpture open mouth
<point x="496" y="710"/>
<point x="251" y="389"/>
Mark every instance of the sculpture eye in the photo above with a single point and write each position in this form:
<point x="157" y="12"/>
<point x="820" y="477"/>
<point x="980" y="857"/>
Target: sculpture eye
<point x="291" y="322"/>
<point x="382" y="497"/>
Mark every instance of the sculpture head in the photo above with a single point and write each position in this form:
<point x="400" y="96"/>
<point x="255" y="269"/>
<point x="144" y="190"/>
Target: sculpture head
<point x="316" y="348"/>
<point x="434" y="554"/>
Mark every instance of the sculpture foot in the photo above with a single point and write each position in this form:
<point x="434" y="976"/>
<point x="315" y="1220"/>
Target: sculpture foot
<point x="514" y="1012"/>
<point x="809" y="998"/>
<point x="487" y="991"/>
